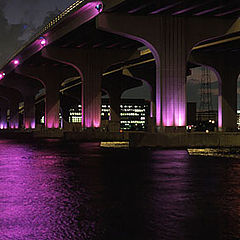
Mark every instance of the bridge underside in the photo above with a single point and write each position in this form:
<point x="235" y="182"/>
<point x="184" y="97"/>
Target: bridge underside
<point x="107" y="51"/>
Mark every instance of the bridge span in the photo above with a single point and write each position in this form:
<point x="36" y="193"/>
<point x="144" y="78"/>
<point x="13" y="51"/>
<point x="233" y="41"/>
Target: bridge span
<point x="115" y="45"/>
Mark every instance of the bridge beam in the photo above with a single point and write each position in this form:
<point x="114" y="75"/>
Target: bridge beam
<point x="227" y="68"/>
<point x="90" y="64"/>
<point x="170" y="40"/>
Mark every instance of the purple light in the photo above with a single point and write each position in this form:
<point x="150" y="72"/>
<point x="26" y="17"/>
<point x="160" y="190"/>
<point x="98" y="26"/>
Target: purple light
<point x="33" y="124"/>
<point x="220" y="111"/>
<point x="43" y="41"/>
<point x="226" y="13"/>
<point x="208" y="11"/>
<point x="16" y="62"/>
<point x="164" y="8"/>
<point x="2" y="74"/>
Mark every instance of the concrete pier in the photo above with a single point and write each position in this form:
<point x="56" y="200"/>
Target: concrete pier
<point x="185" y="140"/>
<point x="136" y="139"/>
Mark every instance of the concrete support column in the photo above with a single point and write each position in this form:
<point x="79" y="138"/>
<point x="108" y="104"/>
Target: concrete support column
<point x="29" y="112"/>
<point x="3" y="113"/>
<point x="14" y="115"/>
<point x="173" y="72"/>
<point x="90" y="63"/>
<point x="115" y="101"/>
<point x="14" y="98"/>
<point x="3" y="118"/>
<point x="91" y="97"/>
<point x="170" y="40"/>
<point x="52" y="105"/>
<point x="228" y="100"/>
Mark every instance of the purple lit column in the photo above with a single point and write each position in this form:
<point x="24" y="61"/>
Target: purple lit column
<point x="91" y="97"/>
<point x="14" y="115"/>
<point x="29" y="112"/>
<point x="52" y="105"/>
<point x="173" y="72"/>
<point x="3" y="116"/>
<point x="228" y="98"/>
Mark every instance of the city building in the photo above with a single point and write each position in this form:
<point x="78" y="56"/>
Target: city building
<point x="134" y="114"/>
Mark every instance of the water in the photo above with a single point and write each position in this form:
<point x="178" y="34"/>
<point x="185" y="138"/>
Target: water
<point x="51" y="190"/>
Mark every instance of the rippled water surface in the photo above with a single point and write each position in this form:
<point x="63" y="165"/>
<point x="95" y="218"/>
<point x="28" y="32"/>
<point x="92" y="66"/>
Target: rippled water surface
<point x="57" y="191"/>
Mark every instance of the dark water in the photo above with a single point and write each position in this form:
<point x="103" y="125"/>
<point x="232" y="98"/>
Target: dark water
<point x="49" y="190"/>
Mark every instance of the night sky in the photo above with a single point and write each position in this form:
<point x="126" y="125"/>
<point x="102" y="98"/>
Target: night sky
<point x="21" y="19"/>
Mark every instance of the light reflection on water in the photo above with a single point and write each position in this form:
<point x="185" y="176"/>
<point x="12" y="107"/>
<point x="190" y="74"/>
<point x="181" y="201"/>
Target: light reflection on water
<point x="215" y="152"/>
<point x="52" y="190"/>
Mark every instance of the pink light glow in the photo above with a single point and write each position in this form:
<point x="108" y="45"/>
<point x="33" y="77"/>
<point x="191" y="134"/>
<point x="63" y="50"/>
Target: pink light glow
<point x="180" y="120"/>
<point x="43" y="41"/>
<point x="14" y="125"/>
<point x="3" y="125"/>
<point x="96" y="123"/>
<point x="33" y="124"/>
<point x="56" y="124"/>
<point x="30" y="124"/>
<point x="2" y="74"/>
<point x="52" y="124"/>
<point x="220" y="109"/>
<point x="16" y="62"/>
<point x="26" y="125"/>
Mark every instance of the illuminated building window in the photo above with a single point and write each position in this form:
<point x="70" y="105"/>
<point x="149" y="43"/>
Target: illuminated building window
<point x="133" y="114"/>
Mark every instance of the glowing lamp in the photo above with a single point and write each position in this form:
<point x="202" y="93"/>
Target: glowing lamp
<point x="43" y="41"/>
<point x="99" y="7"/>
<point x="16" y="62"/>
<point x="2" y="74"/>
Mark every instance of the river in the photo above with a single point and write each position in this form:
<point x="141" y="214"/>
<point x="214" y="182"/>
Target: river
<point x="59" y="191"/>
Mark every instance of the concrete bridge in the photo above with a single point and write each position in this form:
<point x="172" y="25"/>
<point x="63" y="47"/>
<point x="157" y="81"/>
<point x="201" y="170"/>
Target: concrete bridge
<point x="114" y="45"/>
